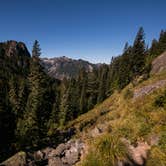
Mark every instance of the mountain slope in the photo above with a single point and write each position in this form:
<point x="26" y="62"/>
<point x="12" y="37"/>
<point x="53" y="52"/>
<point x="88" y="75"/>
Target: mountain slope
<point x="128" y="128"/>
<point x="138" y="122"/>
<point x="66" y="67"/>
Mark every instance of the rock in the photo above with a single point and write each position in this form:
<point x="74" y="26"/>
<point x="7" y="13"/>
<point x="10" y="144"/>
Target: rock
<point x="98" y="130"/>
<point x="46" y="152"/>
<point x="66" y="154"/>
<point x="154" y="139"/>
<point x="159" y="64"/>
<point x="58" y="151"/>
<point x="72" y="155"/>
<point x="148" y="89"/>
<point x="139" y="153"/>
<point x="19" y="159"/>
<point x="39" y="155"/>
<point x="55" y="161"/>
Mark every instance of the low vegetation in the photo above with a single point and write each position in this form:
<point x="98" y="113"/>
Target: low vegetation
<point x="107" y="150"/>
<point x="135" y="120"/>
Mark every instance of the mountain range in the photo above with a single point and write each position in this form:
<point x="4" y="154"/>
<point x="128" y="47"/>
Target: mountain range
<point x="64" y="67"/>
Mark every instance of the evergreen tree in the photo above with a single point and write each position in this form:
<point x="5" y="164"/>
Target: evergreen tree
<point x="36" y="51"/>
<point x="82" y="83"/>
<point x="138" y="53"/>
<point x="162" y="42"/>
<point x="102" y="83"/>
<point x="69" y="103"/>
<point x="83" y="99"/>
<point x="34" y="124"/>
<point x="154" y="48"/>
<point x="13" y="96"/>
<point x="92" y="89"/>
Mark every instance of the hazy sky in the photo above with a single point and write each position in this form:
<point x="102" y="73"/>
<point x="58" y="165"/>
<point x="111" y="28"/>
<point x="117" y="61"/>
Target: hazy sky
<point x="93" y="30"/>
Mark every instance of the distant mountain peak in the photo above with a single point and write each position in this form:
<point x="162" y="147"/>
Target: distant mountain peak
<point x="60" y="67"/>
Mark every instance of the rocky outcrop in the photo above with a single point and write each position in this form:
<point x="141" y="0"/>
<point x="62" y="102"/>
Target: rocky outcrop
<point x="13" y="48"/>
<point x="159" y="64"/>
<point x="149" y="89"/>
<point x="17" y="52"/>
<point x="67" y="154"/>
<point x="18" y="159"/>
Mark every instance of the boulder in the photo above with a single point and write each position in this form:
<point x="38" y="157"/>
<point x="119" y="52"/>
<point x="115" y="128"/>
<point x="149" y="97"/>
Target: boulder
<point x="66" y="154"/>
<point x="39" y="155"/>
<point x="139" y="153"/>
<point x="55" y="161"/>
<point x="98" y="130"/>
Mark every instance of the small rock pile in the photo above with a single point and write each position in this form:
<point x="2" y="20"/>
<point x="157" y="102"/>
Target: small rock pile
<point x="66" y="154"/>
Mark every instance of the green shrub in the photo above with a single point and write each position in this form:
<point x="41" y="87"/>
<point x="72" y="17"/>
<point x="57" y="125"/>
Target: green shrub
<point x="108" y="150"/>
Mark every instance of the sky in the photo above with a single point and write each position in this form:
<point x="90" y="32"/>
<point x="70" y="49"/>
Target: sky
<point x="94" y="30"/>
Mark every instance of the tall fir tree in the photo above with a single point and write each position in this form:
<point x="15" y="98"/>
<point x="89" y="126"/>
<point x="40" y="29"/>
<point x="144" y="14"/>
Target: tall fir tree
<point x="138" y="53"/>
<point x="34" y="125"/>
<point x="36" y="51"/>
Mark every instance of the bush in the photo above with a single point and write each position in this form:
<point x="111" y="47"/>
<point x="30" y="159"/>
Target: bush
<point x="108" y="150"/>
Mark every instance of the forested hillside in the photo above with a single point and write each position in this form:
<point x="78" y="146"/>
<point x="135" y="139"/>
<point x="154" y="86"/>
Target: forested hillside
<point x="35" y="108"/>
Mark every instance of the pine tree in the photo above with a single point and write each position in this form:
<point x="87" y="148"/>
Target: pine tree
<point x="154" y="48"/>
<point x="34" y="123"/>
<point x="69" y="103"/>
<point x="82" y="83"/>
<point x="36" y="51"/>
<point x="162" y="42"/>
<point x="102" y="83"/>
<point x="7" y="121"/>
<point x="13" y="96"/>
<point x="138" y="53"/>
<point x="83" y="99"/>
<point x="92" y="89"/>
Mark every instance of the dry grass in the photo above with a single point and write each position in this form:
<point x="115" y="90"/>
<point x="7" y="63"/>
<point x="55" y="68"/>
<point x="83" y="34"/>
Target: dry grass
<point x="127" y="118"/>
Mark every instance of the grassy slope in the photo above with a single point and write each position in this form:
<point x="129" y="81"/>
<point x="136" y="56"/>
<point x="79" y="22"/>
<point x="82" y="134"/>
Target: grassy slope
<point x="135" y="120"/>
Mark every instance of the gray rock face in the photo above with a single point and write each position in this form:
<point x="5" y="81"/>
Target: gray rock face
<point x="159" y="64"/>
<point x="148" y="89"/>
